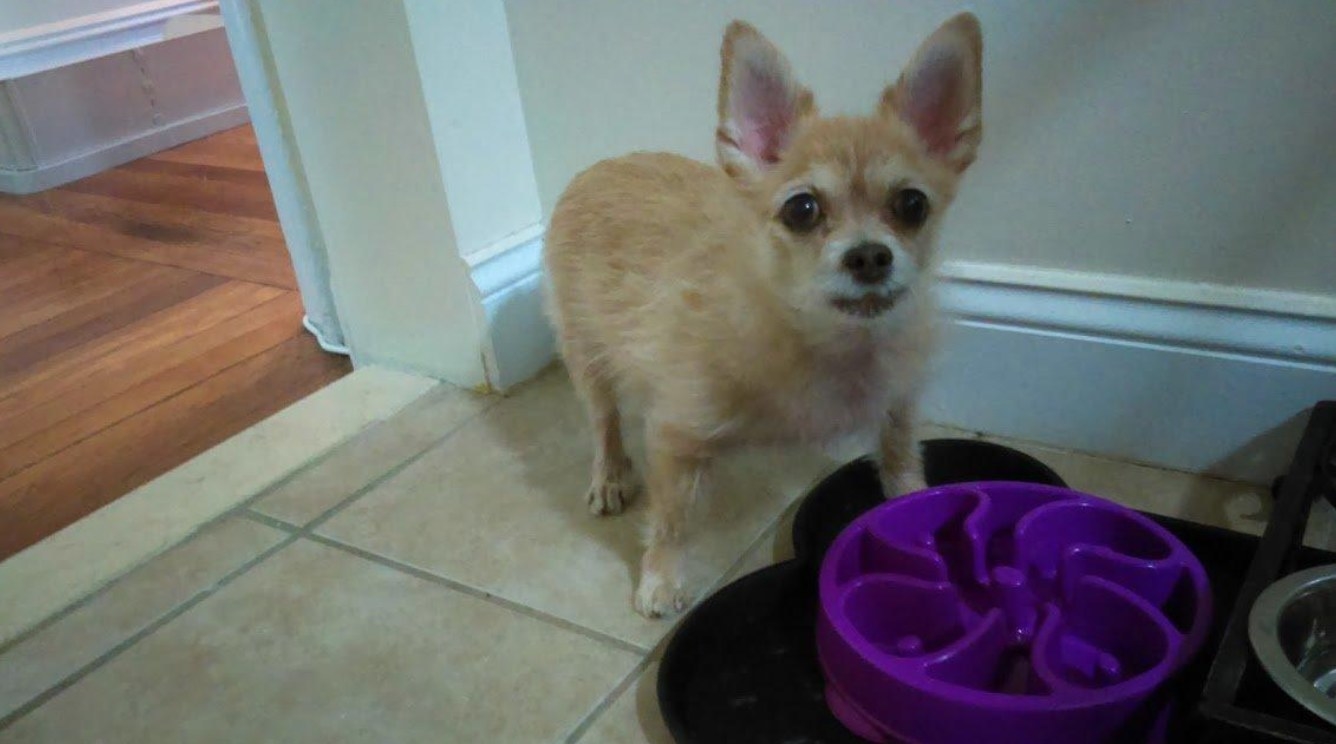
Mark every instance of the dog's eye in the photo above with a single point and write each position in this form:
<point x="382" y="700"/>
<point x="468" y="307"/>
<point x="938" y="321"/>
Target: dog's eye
<point x="801" y="212"/>
<point x="910" y="207"/>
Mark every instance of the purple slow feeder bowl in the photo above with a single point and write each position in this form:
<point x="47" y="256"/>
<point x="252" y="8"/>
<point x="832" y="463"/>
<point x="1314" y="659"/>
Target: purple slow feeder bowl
<point x="1004" y="612"/>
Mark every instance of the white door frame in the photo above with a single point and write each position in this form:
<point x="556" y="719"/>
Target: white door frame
<point x="292" y="198"/>
<point x="400" y="166"/>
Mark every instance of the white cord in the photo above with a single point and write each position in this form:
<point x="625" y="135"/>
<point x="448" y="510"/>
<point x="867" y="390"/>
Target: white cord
<point x="320" y="338"/>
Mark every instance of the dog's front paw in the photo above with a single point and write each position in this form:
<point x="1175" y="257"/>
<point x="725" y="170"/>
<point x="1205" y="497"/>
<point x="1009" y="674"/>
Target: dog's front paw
<point x="658" y="596"/>
<point x="610" y="496"/>
<point x="899" y="484"/>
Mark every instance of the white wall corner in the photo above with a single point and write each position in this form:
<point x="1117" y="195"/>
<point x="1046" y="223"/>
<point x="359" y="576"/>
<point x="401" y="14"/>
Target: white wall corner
<point x="287" y="177"/>
<point x="370" y="131"/>
<point x="471" y="91"/>
<point x="411" y="160"/>
<point x="518" y="340"/>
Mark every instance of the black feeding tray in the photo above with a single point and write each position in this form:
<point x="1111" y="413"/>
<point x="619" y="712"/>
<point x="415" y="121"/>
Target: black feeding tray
<point x="742" y="667"/>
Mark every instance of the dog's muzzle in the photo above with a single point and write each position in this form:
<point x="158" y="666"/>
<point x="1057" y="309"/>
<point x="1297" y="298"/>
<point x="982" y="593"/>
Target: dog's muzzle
<point x="869" y="305"/>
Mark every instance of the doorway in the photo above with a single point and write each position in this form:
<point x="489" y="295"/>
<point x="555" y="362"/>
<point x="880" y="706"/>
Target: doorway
<point x="147" y="313"/>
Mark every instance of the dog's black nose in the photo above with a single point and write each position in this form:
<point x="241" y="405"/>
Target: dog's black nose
<point x="869" y="263"/>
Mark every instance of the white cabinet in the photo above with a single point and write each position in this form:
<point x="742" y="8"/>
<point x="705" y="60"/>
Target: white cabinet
<point x="82" y="94"/>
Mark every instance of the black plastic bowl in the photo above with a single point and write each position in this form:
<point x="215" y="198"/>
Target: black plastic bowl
<point x="742" y="666"/>
<point x="945" y="461"/>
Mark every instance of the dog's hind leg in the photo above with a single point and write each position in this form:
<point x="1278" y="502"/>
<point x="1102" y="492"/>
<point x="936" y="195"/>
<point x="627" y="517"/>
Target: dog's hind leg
<point x="613" y="481"/>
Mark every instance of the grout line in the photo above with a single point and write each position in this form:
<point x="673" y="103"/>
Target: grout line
<point x="372" y="485"/>
<point x="656" y="653"/>
<point x="88" y="598"/>
<point x="601" y="707"/>
<point x="477" y="593"/>
<point x="375" y="483"/>
<point x="768" y="532"/>
<point x="249" y="504"/>
<point x="758" y="541"/>
<point x="620" y="689"/>
<point x="237" y="510"/>
<point x="67" y="610"/>
<point x="241" y="510"/>
<point x="97" y="663"/>
<point x="316" y="461"/>
<point x="304" y="467"/>
<point x="268" y="521"/>
<point x="294" y="532"/>
<point x="308" y="531"/>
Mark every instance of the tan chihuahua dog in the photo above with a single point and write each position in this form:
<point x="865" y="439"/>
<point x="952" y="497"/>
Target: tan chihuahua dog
<point x="785" y="298"/>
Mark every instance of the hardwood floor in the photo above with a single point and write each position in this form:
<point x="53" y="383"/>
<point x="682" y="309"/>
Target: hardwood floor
<point x="147" y="313"/>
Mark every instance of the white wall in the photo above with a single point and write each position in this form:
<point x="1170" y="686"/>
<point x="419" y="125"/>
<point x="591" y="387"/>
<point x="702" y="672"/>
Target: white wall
<point x="1178" y="141"/>
<point x="107" y="99"/>
<point x="352" y="94"/>
<point x="477" y="119"/>
<point x="1142" y="263"/>
<point x="77" y="108"/>
<point x="20" y="15"/>
<point x="405" y="140"/>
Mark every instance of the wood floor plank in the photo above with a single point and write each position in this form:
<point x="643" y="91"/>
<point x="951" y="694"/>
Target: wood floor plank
<point x="157" y="289"/>
<point x="235" y="247"/>
<point x="242" y="177"/>
<point x="89" y="278"/>
<point x="63" y="270"/>
<point x="53" y="493"/>
<point x="199" y="194"/>
<point x="60" y="372"/>
<point x="25" y="265"/>
<point x="234" y="148"/>
<point x="146" y="314"/>
<point x="18" y="256"/>
<point x="45" y="429"/>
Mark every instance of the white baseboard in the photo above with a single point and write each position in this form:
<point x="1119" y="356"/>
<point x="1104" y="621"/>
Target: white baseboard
<point x="1198" y="378"/>
<point x="113" y="154"/>
<point x="517" y="339"/>
<point x="1185" y="376"/>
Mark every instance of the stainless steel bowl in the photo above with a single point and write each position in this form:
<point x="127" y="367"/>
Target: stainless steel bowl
<point x="1293" y="631"/>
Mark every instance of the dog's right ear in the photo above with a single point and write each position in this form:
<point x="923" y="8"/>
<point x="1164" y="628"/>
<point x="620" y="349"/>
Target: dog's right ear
<point x="761" y="105"/>
<point x="940" y="93"/>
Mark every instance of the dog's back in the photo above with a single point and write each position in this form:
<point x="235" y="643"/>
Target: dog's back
<point x="639" y="259"/>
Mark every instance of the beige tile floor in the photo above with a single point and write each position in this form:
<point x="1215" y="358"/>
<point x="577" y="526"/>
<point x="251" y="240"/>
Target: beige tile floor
<point x="435" y="578"/>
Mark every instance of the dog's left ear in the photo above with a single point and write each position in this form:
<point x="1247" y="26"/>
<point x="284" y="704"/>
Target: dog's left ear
<point x="761" y="104"/>
<point x="940" y="93"/>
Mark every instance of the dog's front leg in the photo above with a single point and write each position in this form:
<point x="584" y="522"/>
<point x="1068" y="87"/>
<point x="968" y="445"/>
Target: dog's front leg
<point x="677" y="476"/>
<point x="901" y="462"/>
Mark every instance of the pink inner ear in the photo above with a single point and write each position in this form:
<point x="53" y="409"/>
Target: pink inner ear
<point x="932" y="101"/>
<point x="763" y="113"/>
